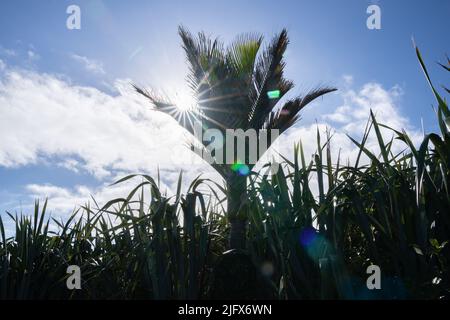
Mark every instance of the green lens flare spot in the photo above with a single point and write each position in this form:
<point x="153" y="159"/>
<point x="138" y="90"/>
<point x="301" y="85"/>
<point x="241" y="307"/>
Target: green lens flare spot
<point x="274" y="94"/>
<point x="240" y="168"/>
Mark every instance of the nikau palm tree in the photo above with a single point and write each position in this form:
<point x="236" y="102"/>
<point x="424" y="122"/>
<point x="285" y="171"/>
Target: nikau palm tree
<point x="233" y="86"/>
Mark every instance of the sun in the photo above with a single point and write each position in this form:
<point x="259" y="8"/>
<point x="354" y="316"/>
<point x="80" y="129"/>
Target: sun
<point x="185" y="101"/>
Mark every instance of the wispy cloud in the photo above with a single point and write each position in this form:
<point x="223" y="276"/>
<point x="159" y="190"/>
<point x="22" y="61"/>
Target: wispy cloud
<point x="7" y="52"/>
<point x="32" y="55"/>
<point x="348" y="79"/>
<point x="89" y="64"/>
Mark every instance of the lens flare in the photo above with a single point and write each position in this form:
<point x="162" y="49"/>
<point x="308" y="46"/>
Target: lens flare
<point x="307" y="236"/>
<point x="267" y="268"/>
<point x="314" y="243"/>
<point x="240" y="168"/>
<point x="274" y="94"/>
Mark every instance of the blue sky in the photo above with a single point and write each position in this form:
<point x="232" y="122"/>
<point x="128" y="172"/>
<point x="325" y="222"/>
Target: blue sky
<point x="45" y="68"/>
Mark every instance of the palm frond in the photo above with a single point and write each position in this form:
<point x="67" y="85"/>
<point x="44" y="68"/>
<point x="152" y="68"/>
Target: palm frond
<point x="163" y="104"/>
<point x="269" y="76"/>
<point x="242" y="53"/>
<point x="288" y="114"/>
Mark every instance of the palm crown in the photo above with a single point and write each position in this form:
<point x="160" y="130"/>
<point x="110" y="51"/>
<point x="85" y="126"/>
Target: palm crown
<point x="231" y="86"/>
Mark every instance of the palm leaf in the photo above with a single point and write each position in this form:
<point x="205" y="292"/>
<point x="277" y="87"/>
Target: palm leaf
<point x="288" y="114"/>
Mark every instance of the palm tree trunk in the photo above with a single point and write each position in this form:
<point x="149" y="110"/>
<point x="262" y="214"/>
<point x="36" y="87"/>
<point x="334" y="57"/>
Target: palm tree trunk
<point x="235" y="274"/>
<point x="237" y="216"/>
<point x="238" y="229"/>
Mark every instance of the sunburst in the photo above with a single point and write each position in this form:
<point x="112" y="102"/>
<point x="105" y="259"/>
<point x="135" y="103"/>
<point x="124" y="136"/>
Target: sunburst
<point x="184" y="102"/>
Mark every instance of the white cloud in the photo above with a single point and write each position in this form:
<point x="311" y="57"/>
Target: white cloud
<point x="341" y="115"/>
<point x="70" y="164"/>
<point x="351" y="118"/>
<point x="45" y="117"/>
<point x="65" y="200"/>
<point x="372" y="96"/>
<point x="89" y="64"/>
<point x="2" y="65"/>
